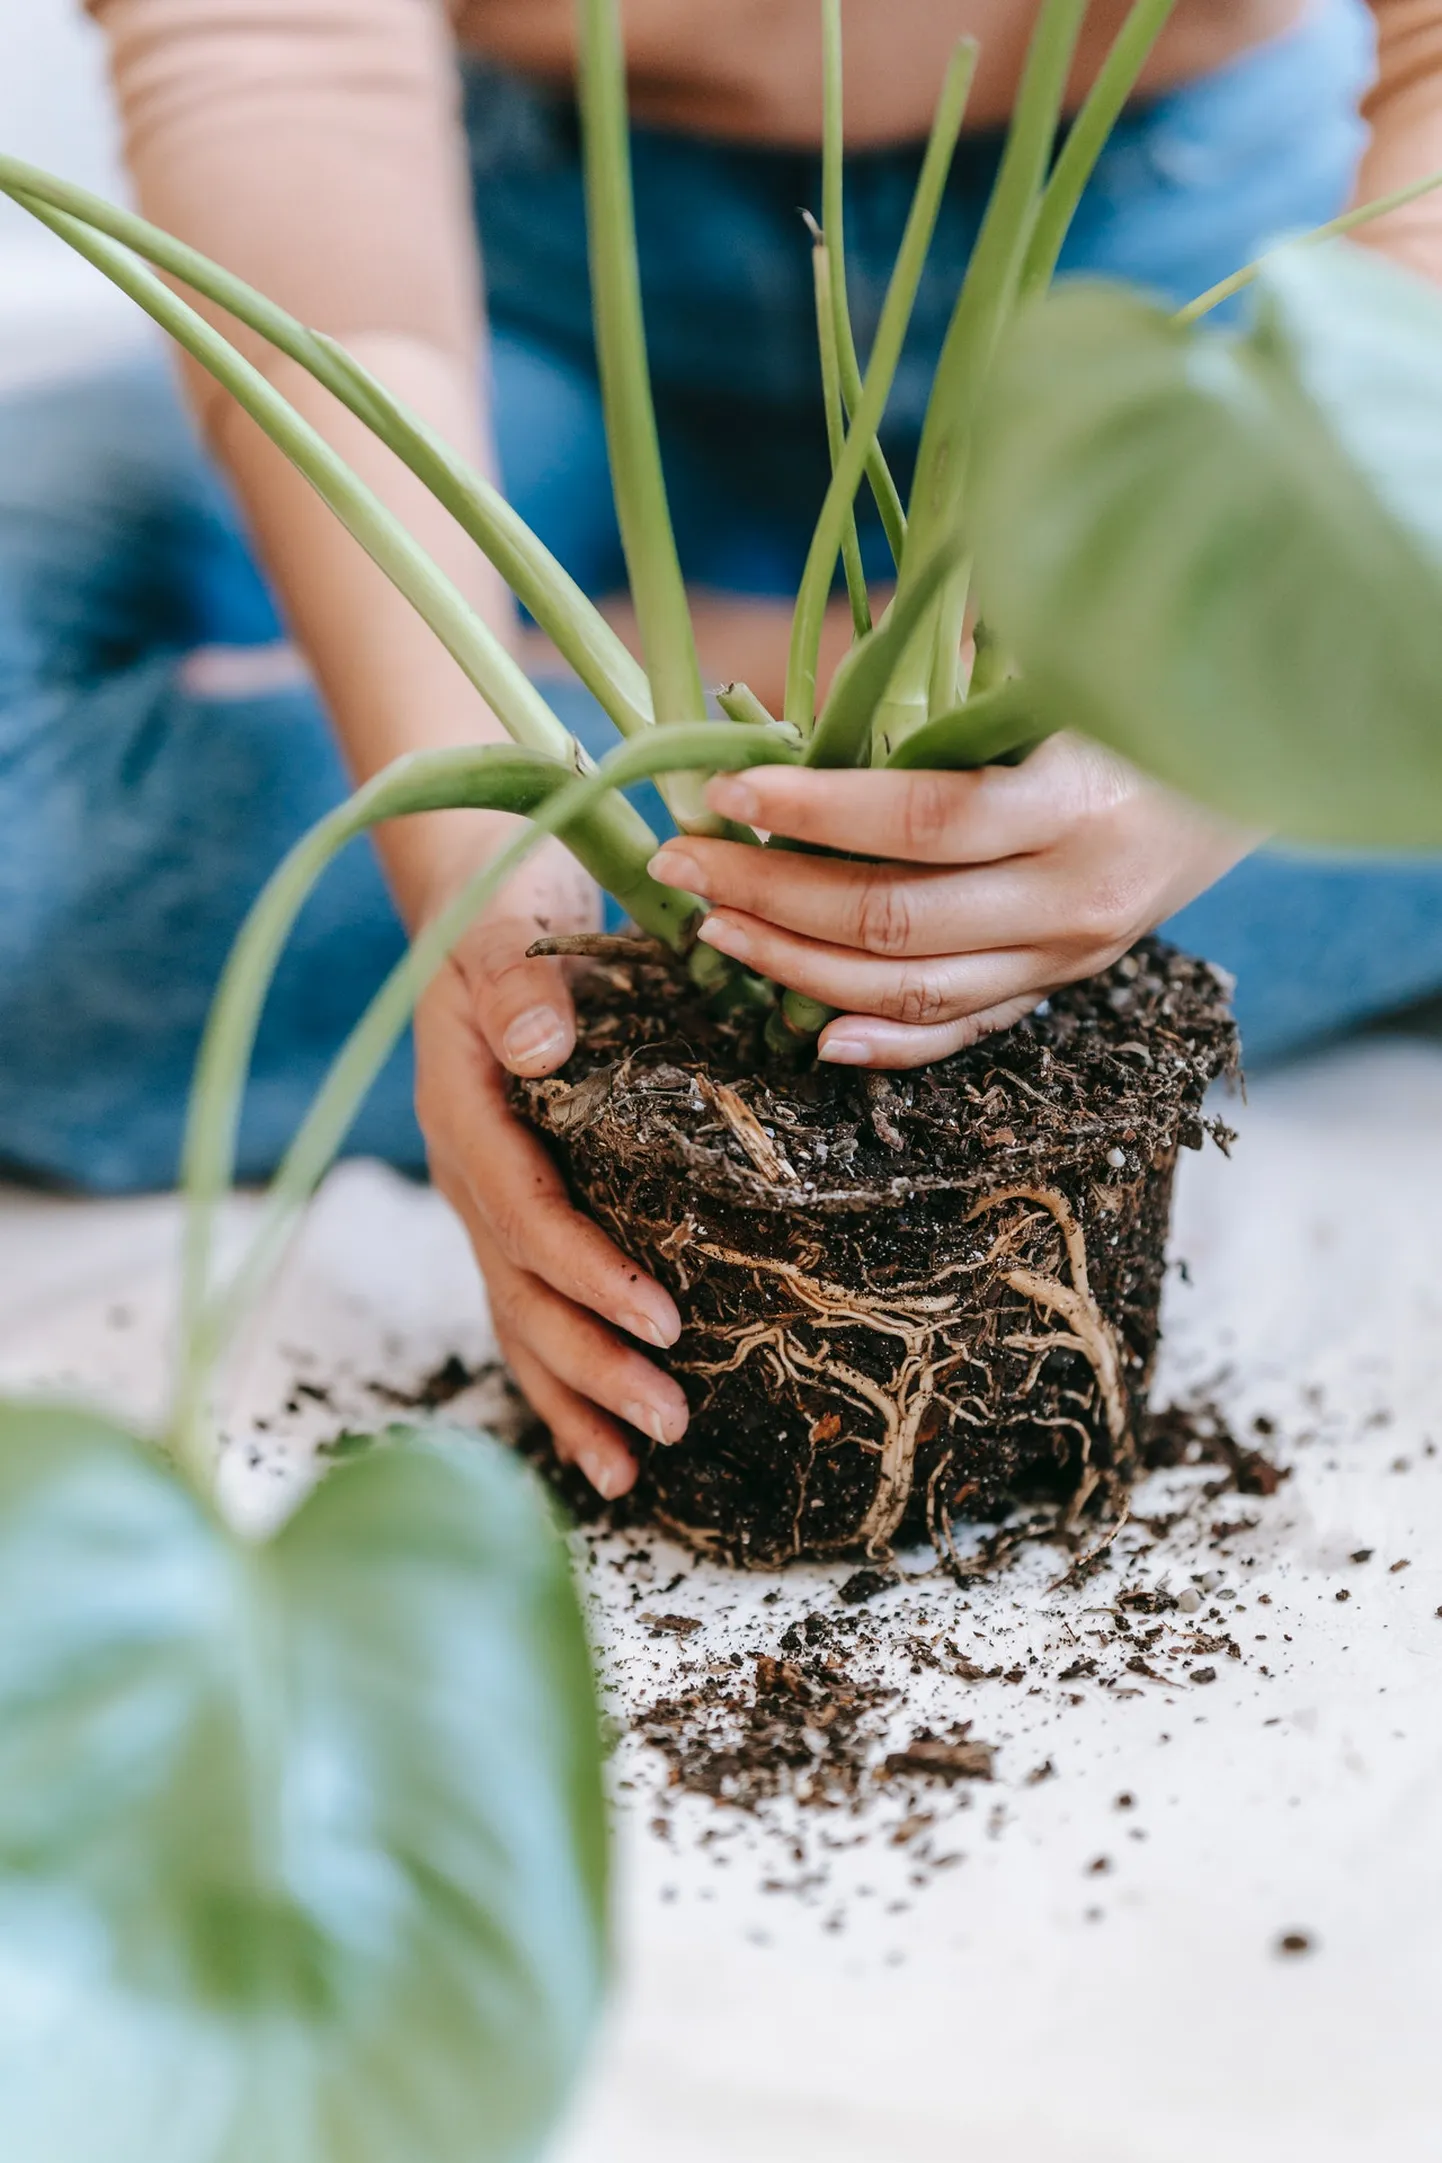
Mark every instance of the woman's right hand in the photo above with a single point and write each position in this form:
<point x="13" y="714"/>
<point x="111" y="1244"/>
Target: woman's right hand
<point x="569" y="1309"/>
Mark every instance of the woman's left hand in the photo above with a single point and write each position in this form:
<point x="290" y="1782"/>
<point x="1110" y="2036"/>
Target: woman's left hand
<point x="959" y="901"/>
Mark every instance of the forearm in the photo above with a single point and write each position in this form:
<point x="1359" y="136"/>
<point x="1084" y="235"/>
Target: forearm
<point x="388" y="683"/>
<point x="1404" y="112"/>
<point x="314" y="147"/>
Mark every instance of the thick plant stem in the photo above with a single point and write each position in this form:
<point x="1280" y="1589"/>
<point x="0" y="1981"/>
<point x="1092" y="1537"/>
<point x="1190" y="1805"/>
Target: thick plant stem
<point x="857" y="695"/>
<point x="821" y="268"/>
<point x="212" y="1318"/>
<point x="501" y="681"/>
<point x="833" y="225"/>
<point x="997" y="725"/>
<point x="739" y="703"/>
<point x="987" y="296"/>
<point x="796" y="1024"/>
<point x="1334" y="229"/>
<point x="658" y="589"/>
<point x="989" y="665"/>
<point x="896" y="310"/>
<point x="944" y="689"/>
<point x="1088" y="137"/>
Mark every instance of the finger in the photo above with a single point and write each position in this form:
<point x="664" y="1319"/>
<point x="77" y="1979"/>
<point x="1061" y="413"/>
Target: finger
<point x="480" y="1147"/>
<point x="935" y="989"/>
<point x="598" y="1365"/>
<point x="583" y="1436"/>
<point x="523" y="1007"/>
<point x="580" y="1351"/>
<point x="518" y="1194"/>
<point x="864" y="1040"/>
<point x="914" y="818"/>
<point x="887" y="909"/>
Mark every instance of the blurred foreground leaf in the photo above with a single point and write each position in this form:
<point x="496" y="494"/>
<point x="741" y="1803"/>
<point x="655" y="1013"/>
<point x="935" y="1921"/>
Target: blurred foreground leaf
<point x="1224" y="556"/>
<point x="301" y="1843"/>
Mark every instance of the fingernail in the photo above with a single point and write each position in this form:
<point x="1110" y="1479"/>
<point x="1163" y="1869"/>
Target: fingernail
<point x="726" y="937"/>
<point x="733" y="797"/>
<point x="647" y="1420"/>
<point x="604" y="1474"/>
<point x="646" y="1327"/>
<point x="673" y="867"/>
<point x="844" y="1050"/>
<point x="537" y="1034"/>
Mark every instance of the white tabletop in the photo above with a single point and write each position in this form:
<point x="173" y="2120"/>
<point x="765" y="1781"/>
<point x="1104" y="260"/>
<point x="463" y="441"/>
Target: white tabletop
<point x="1017" y="2005"/>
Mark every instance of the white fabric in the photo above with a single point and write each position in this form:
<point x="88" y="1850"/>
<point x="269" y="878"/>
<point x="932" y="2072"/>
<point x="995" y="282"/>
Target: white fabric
<point x="992" y="2022"/>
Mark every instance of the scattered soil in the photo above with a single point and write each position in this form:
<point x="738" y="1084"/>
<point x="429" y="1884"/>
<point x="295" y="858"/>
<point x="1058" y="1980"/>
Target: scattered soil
<point x="820" y="1720"/>
<point x="852" y="1736"/>
<point x="909" y="1299"/>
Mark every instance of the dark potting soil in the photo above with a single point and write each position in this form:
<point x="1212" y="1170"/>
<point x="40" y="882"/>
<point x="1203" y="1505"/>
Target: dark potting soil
<point x="816" y="1714"/>
<point x="908" y="1298"/>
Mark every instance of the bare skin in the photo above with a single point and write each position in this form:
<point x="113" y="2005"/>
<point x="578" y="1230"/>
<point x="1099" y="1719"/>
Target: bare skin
<point x="751" y="70"/>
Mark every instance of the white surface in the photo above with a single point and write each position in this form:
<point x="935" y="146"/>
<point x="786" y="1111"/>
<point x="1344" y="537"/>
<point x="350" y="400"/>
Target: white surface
<point x="988" y="2019"/>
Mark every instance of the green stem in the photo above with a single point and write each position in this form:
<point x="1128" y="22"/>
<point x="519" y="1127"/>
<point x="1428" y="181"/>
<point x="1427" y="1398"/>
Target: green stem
<point x="1334" y="229"/>
<point x="213" y="1319"/>
<point x="842" y="734"/>
<point x="836" y="428"/>
<point x="833" y="224"/>
<point x="796" y="1024"/>
<point x="811" y="601"/>
<point x="739" y="703"/>
<point x="987" y="296"/>
<point x="990" y="663"/>
<point x="996" y="725"/>
<point x="612" y="841"/>
<point x="502" y="683"/>
<point x="944" y="688"/>
<point x="653" y="567"/>
<point x="1088" y="136"/>
<point x="576" y="628"/>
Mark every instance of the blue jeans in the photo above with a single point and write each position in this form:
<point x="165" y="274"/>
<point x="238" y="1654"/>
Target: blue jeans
<point x="143" y="799"/>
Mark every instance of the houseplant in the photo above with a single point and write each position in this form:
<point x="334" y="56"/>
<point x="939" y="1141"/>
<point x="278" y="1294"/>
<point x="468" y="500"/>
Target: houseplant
<point x="1009" y="1332"/>
<point x="300" y="1845"/>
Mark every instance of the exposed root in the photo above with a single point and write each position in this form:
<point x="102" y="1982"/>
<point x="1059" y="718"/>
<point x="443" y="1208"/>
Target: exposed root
<point x="917" y="1319"/>
<point x="921" y="1319"/>
<point x="848" y="1324"/>
<point x="1090" y="1333"/>
<point x="1099" y="1547"/>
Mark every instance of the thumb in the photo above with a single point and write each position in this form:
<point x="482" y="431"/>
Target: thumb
<point x="523" y="1007"/>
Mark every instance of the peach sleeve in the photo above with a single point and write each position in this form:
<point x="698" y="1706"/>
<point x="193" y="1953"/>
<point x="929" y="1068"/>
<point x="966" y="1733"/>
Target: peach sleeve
<point x="312" y="146"/>
<point x="1404" y="111"/>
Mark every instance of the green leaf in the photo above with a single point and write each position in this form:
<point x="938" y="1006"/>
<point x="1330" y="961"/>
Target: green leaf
<point x="1224" y="557"/>
<point x="301" y="1843"/>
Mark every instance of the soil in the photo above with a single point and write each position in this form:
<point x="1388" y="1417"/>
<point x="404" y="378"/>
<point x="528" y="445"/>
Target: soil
<point x="809" y="1717"/>
<point x="908" y="1298"/>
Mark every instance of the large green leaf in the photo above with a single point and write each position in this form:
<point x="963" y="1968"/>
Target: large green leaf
<point x="301" y="1843"/>
<point x="1224" y="556"/>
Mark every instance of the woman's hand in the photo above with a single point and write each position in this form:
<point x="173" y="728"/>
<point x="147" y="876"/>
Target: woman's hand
<point x="567" y="1305"/>
<point x="977" y="893"/>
